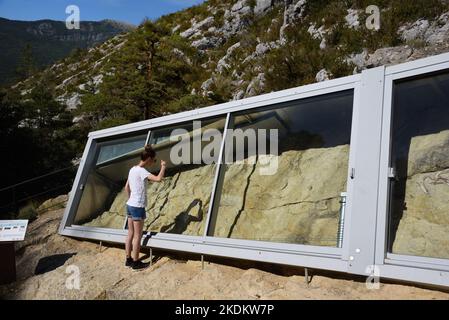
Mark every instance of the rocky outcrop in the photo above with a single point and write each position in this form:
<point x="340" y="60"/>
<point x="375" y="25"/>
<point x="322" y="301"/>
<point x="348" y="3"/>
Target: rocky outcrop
<point x="318" y="33"/>
<point x="196" y="28"/>
<point x="53" y="204"/>
<point x="424" y="226"/>
<point x="293" y="10"/>
<point x="431" y="33"/>
<point x="299" y="204"/>
<point x="352" y="18"/>
<point x="262" y="6"/>
<point x="322" y="75"/>
<point x="72" y="102"/>
<point x="417" y="30"/>
<point x="433" y="36"/>
<point x="255" y="86"/>
<point x="358" y="60"/>
<point x="393" y="55"/>
<point x="222" y="64"/>
<point x="262" y="48"/>
<point x="389" y="56"/>
<point x="206" y="85"/>
<point x="236" y="18"/>
<point x="207" y="43"/>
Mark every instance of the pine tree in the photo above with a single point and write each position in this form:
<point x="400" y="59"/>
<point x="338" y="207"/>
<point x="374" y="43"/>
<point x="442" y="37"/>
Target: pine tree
<point x="153" y="70"/>
<point x="27" y="66"/>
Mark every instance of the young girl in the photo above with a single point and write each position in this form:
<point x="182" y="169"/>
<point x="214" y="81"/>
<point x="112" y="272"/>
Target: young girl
<point x="136" y="189"/>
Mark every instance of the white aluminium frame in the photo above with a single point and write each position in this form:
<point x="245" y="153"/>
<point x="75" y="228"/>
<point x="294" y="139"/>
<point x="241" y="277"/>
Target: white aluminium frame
<point x="310" y="256"/>
<point x="365" y="222"/>
<point x="409" y="268"/>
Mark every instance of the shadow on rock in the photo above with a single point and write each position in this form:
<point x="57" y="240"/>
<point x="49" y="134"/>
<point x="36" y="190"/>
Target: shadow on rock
<point x="50" y="263"/>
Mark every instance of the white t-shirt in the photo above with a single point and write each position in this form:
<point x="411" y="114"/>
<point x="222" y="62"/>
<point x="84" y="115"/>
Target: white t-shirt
<point x="137" y="180"/>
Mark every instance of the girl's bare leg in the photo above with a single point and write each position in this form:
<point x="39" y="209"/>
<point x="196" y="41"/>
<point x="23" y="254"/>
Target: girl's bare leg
<point x="129" y="238"/>
<point x="138" y="228"/>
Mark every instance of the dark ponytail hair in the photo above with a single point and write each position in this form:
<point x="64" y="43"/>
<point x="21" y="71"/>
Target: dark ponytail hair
<point x="148" y="153"/>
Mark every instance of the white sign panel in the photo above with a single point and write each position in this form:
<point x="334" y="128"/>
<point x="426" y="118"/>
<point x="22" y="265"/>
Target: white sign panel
<point x="13" y="230"/>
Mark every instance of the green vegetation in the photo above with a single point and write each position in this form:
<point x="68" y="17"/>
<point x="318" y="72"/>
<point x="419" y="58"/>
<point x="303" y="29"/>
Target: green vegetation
<point x="36" y="137"/>
<point x="152" y="71"/>
<point x="45" y="42"/>
<point x="28" y="212"/>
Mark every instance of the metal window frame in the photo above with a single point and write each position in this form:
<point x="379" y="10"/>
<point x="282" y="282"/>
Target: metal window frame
<point x="365" y="232"/>
<point x="273" y="98"/>
<point x="404" y="267"/>
<point x="76" y="192"/>
<point x="287" y="253"/>
<point x="218" y="179"/>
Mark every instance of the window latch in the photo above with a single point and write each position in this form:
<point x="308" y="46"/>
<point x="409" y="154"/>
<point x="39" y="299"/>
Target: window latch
<point x="392" y="173"/>
<point x="352" y="173"/>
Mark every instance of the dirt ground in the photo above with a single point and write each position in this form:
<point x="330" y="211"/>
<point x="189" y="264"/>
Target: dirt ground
<point x="50" y="266"/>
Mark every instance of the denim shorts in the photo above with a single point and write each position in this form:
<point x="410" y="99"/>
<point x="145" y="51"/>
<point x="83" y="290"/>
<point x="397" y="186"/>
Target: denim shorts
<point x="136" y="213"/>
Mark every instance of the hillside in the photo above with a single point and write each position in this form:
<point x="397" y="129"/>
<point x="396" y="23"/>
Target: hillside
<point x="207" y="54"/>
<point x="49" y="41"/>
<point x="45" y="261"/>
<point x="224" y="50"/>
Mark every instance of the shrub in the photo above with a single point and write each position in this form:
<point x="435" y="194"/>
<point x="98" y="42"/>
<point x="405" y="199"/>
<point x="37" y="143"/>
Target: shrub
<point x="28" y="212"/>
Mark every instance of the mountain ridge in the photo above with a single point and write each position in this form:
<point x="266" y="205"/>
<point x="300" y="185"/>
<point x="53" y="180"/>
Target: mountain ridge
<point x="205" y="55"/>
<point x="48" y="41"/>
<point x="241" y="44"/>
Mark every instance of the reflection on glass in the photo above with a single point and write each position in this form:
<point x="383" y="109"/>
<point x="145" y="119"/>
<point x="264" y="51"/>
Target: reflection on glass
<point x="179" y="204"/>
<point x="298" y="202"/>
<point x="419" y="206"/>
<point x="112" y="151"/>
<point x="102" y="203"/>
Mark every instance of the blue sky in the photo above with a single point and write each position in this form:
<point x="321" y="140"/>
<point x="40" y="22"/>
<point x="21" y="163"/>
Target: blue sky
<point x="131" y="11"/>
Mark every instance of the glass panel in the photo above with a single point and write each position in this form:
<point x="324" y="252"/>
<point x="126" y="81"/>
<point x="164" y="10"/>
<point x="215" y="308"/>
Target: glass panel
<point x="102" y="203"/>
<point x="179" y="204"/>
<point x="293" y="194"/>
<point x="117" y="150"/>
<point x="419" y="206"/>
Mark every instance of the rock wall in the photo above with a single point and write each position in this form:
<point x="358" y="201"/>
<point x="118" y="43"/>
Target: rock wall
<point x="178" y="204"/>
<point x="424" y="227"/>
<point x="299" y="204"/>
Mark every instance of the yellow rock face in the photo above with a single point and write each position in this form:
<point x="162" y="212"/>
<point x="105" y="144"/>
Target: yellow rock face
<point x="300" y="203"/>
<point x="424" y="227"/>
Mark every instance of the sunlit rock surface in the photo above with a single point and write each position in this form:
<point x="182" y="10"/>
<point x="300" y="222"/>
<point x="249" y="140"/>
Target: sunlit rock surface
<point x="300" y="203"/>
<point x="424" y="227"/>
